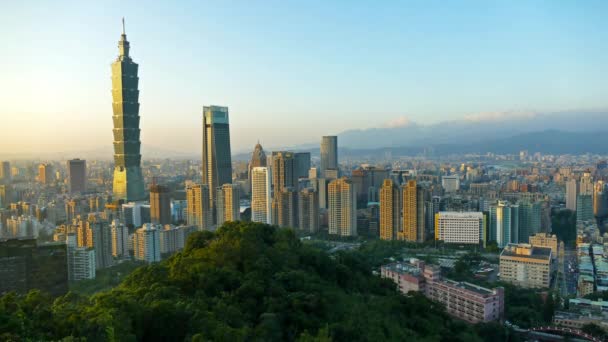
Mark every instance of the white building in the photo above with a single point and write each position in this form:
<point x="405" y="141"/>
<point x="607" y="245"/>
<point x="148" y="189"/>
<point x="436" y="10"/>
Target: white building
<point x="120" y="239"/>
<point x="450" y="183"/>
<point x="572" y="191"/>
<point x="261" y="200"/>
<point x="456" y="227"/>
<point x="81" y="260"/>
<point x="146" y="243"/>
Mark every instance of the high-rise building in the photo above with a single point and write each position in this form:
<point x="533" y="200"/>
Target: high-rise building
<point x="81" y="260"/>
<point x="459" y="227"/>
<point x="526" y="266"/>
<point x="584" y="207"/>
<point x="146" y="243"/>
<point x="261" y="196"/>
<point x="128" y="180"/>
<point x="450" y="183"/>
<point x="390" y="210"/>
<point x="160" y="204"/>
<point x="77" y="175"/>
<point x="302" y="164"/>
<point x="586" y="184"/>
<point x="600" y="199"/>
<point x="342" y="207"/>
<point x="217" y="160"/>
<point x="45" y="173"/>
<point x="228" y="208"/>
<point x="504" y="223"/>
<point x="410" y="213"/>
<point x="5" y="172"/>
<point x="258" y="159"/>
<point x="99" y="237"/>
<point x="308" y="210"/>
<point x="199" y="208"/>
<point x="572" y="190"/>
<point x="283" y="170"/>
<point x="120" y="239"/>
<point x="530" y="217"/>
<point x="329" y="153"/>
<point x="286" y="204"/>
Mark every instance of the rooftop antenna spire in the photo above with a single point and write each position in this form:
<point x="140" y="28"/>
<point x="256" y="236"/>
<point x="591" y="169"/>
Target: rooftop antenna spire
<point x="123" y="25"/>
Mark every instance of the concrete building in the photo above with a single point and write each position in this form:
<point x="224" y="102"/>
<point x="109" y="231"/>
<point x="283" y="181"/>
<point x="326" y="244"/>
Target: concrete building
<point x="261" y="195"/>
<point x="504" y="223"/>
<point x="329" y="154"/>
<point x="459" y="227"/>
<point x="530" y="217"/>
<point x="258" y="159"/>
<point x="172" y="238"/>
<point x="462" y="300"/>
<point x="308" y="210"/>
<point x="146" y="243"/>
<point x="285" y="207"/>
<point x="45" y="173"/>
<point x="572" y="191"/>
<point x="450" y="183"/>
<point x="527" y="266"/>
<point x="77" y="175"/>
<point x="413" y="219"/>
<point x="228" y="208"/>
<point x="342" y="208"/>
<point x="81" y="260"/>
<point x="120" y="239"/>
<point x="584" y="208"/>
<point x="390" y="210"/>
<point x="545" y="240"/>
<point x="302" y="164"/>
<point x="160" y="204"/>
<point x="600" y="199"/>
<point x="97" y="235"/>
<point x="5" y="172"/>
<point x="217" y="160"/>
<point x="199" y="207"/>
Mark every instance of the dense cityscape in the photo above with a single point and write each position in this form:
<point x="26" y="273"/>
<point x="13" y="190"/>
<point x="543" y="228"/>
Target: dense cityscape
<point x="290" y="244"/>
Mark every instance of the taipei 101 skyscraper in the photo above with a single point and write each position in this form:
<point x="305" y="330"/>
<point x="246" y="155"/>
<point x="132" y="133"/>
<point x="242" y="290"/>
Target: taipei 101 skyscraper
<point x="128" y="179"/>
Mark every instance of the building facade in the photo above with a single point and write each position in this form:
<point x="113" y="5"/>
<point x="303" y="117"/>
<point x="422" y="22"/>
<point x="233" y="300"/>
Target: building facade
<point x="77" y="175"/>
<point x="329" y="154"/>
<point x="160" y="204"/>
<point x="228" y="208"/>
<point x="526" y="266"/>
<point x="342" y="208"/>
<point x="261" y="195"/>
<point x="390" y="210"/>
<point x="459" y="227"/>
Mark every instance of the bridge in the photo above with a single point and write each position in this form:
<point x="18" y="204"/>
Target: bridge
<point x="566" y="331"/>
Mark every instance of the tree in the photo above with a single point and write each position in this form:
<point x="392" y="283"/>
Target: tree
<point x="595" y="330"/>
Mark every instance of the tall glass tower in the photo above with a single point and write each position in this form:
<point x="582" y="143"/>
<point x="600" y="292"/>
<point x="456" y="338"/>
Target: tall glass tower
<point x="217" y="161"/>
<point x="128" y="179"/>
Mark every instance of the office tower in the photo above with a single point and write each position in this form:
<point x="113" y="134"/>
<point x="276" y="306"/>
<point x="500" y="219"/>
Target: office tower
<point x="504" y="223"/>
<point x="228" y="208"/>
<point x="586" y="184"/>
<point x="128" y="180"/>
<point x="368" y="181"/>
<point x="258" y="159"/>
<point x="572" y="190"/>
<point x="283" y="170"/>
<point x="390" y="210"/>
<point x="329" y="153"/>
<point x="342" y="207"/>
<point x="146" y="243"/>
<point x="286" y="207"/>
<point x="584" y="207"/>
<point x="120" y="239"/>
<point x="261" y="196"/>
<point x="199" y="208"/>
<point x="308" y="210"/>
<point x="459" y="227"/>
<point x="526" y="266"/>
<point x="5" y="172"/>
<point x="81" y="260"/>
<point x="600" y="199"/>
<point x="27" y="265"/>
<point x="77" y="175"/>
<point x="302" y="164"/>
<point x="217" y="161"/>
<point x="45" y="173"/>
<point x="410" y="213"/>
<point x="450" y="183"/>
<point x="530" y="216"/>
<point x="160" y="204"/>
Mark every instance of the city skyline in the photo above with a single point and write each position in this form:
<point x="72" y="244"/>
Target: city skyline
<point x="550" y="62"/>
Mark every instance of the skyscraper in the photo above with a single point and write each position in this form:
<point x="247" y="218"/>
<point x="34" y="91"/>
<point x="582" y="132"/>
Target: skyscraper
<point x="128" y="180"/>
<point x="390" y="210"/>
<point x="283" y="171"/>
<point x="120" y="239"/>
<point x="342" y="207"/>
<point x="302" y="164"/>
<point x="45" y="173"/>
<point x="572" y="190"/>
<point x="286" y="207"/>
<point x="258" y="159"/>
<point x="329" y="153"/>
<point x="146" y="243"/>
<point x="530" y="215"/>
<point x="308" y="210"/>
<point x="198" y="208"/>
<point x="504" y="223"/>
<point x="160" y="204"/>
<point x="77" y="175"/>
<point x="217" y="160"/>
<point x="409" y="226"/>
<point x="600" y="200"/>
<point x="261" y="200"/>
<point x="228" y="208"/>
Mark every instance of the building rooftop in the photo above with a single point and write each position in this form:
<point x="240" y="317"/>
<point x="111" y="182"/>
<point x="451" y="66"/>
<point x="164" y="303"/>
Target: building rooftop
<point x="403" y="268"/>
<point x="470" y="287"/>
<point x="526" y="251"/>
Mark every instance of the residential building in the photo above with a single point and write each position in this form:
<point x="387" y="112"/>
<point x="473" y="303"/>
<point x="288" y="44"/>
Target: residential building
<point x="199" y="207"/>
<point x="572" y="191"/>
<point x="261" y="195"/>
<point x="450" y="183"/>
<point x="160" y="204"/>
<point x="308" y="210"/>
<point x="504" y="223"/>
<point x="342" y="207"/>
<point x="228" y="208"/>
<point x="390" y="210"/>
<point x="526" y="265"/>
<point x="81" y="260"/>
<point x="459" y="227"/>
<point x="146" y="243"/>
<point x="45" y="174"/>
<point x="120" y="239"/>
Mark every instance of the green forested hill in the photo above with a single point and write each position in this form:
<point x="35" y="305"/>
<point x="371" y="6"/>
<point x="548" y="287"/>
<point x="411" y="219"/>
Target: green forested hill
<point x="246" y="282"/>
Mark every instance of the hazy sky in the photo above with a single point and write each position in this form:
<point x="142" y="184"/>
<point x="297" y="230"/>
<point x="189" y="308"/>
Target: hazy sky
<point x="291" y="71"/>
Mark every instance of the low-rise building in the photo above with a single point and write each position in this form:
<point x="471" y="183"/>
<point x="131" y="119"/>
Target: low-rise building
<point x="459" y="227"/>
<point x="526" y="266"/>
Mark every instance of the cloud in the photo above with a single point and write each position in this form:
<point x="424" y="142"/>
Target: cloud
<point x="401" y="121"/>
<point x="499" y="116"/>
